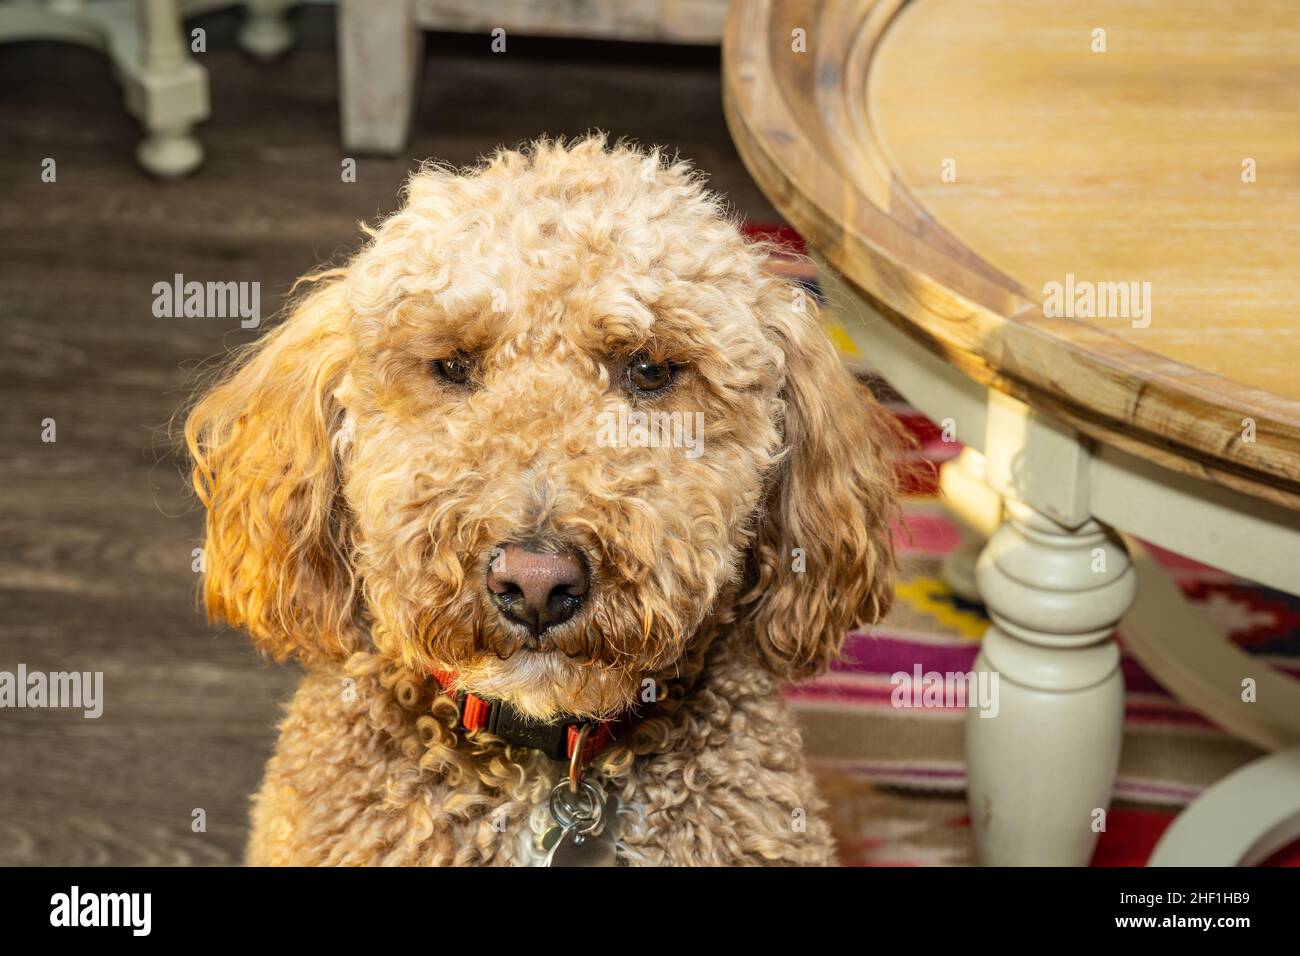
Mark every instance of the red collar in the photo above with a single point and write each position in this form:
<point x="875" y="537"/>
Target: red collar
<point x="556" y="739"/>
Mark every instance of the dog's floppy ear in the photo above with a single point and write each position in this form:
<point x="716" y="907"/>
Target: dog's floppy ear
<point x="264" y="465"/>
<point x="822" y="560"/>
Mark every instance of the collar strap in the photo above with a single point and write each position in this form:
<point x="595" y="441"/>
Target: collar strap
<point x="556" y="739"/>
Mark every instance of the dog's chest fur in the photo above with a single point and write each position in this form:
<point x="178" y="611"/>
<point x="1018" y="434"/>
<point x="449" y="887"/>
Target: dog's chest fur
<point x="364" y="774"/>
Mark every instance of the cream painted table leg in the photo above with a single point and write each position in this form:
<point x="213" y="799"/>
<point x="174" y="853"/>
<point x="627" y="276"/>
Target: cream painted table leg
<point x="1040" y="770"/>
<point x="164" y="88"/>
<point x="1041" y="766"/>
<point x="167" y="91"/>
<point x="1042" y="762"/>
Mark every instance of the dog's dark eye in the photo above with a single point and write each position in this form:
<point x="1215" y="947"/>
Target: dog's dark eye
<point x="646" y="375"/>
<point x="456" y="369"/>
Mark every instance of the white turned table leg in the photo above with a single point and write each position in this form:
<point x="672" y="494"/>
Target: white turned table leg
<point x="168" y="92"/>
<point x="976" y="510"/>
<point x="265" y="33"/>
<point x="1041" y="769"/>
<point x="164" y="88"/>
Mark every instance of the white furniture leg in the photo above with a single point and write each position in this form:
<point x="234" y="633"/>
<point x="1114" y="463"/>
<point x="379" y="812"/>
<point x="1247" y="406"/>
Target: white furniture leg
<point x="1055" y="582"/>
<point x="976" y="510"/>
<point x="165" y="89"/>
<point x="380" y="52"/>
<point x="167" y="93"/>
<point x="265" y="33"/>
<point x="1041" y="771"/>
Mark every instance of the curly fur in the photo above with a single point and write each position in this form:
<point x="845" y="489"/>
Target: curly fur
<point x="354" y="499"/>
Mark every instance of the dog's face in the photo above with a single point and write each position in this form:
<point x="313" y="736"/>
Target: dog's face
<point x="536" y="432"/>
<point x="511" y="329"/>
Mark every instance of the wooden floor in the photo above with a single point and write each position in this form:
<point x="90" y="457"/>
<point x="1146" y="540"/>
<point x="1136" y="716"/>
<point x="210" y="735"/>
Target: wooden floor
<point x="96" y="529"/>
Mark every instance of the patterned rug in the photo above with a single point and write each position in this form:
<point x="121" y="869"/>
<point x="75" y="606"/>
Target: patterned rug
<point x="895" y="777"/>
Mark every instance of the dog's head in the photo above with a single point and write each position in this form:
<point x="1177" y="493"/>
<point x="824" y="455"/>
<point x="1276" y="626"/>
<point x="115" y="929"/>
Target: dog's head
<point x="549" y="419"/>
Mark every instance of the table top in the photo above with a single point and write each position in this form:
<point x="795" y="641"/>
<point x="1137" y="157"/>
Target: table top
<point x="1094" y="207"/>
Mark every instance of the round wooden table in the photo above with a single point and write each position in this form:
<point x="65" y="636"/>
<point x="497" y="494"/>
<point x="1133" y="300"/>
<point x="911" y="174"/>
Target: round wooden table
<point x="1070" y="233"/>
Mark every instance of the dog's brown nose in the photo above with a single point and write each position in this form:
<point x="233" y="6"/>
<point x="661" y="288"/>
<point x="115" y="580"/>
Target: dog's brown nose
<point x="537" y="589"/>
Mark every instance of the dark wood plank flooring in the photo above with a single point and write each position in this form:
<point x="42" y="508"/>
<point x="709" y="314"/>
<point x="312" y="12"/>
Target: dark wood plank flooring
<point x="96" y="529"/>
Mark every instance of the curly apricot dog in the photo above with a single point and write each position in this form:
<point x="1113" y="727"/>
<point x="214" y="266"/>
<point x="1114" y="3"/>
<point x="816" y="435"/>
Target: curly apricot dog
<point x="475" y="454"/>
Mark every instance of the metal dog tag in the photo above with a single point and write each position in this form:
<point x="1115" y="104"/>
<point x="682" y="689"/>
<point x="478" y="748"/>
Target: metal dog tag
<point x="586" y="830"/>
<point x="597" y="847"/>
